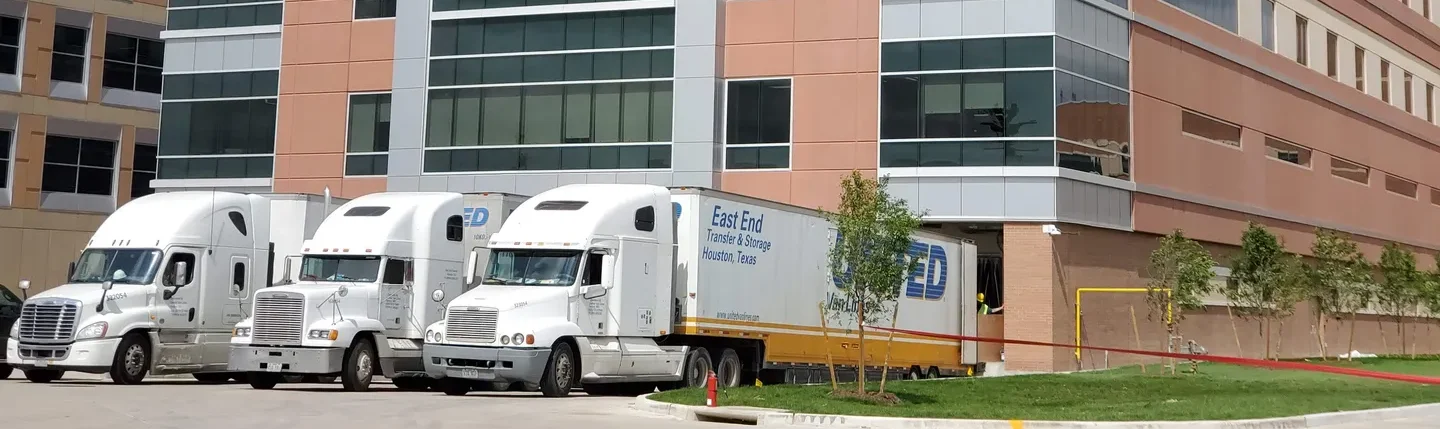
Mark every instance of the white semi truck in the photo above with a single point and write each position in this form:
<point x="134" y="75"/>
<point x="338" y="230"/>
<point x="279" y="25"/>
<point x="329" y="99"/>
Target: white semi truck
<point x="619" y="289"/>
<point x="355" y="310"/>
<point x="157" y="287"/>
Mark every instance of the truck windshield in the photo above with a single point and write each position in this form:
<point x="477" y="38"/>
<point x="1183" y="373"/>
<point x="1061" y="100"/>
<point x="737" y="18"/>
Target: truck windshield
<point x="120" y="266"/>
<point x="340" y="268"/>
<point x="532" y="267"/>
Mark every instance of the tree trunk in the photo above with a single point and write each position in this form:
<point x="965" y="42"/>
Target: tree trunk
<point x="1350" y="349"/>
<point x="1384" y="341"/>
<point x="829" y="360"/>
<point x="860" y="321"/>
<point x="1239" y="351"/>
<point x="1280" y="341"/>
<point x="1266" y="322"/>
<point x="1400" y="326"/>
<point x="889" y="344"/>
<point x="1320" y="334"/>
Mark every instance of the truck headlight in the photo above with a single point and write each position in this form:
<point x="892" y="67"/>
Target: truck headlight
<point x="434" y="337"/>
<point x="517" y="339"/>
<point x="93" y="330"/>
<point x="324" y="334"/>
<point x="241" y="332"/>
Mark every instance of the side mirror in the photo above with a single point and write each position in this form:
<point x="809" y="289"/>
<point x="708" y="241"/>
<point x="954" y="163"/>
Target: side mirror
<point x="594" y="291"/>
<point x="106" y="285"/>
<point x="24" y="285"/>
<point x="437" y="296"/>
<point x="182" y="269"/>
<point x="25" y="288"/>
<point x="236" y="290"/>
<point x="285" y="279"/>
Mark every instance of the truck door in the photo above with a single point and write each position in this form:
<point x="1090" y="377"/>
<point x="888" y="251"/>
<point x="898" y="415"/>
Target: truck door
<point x="180" y="296"/>
<point x="238" y="295"/>
<point x="590" y="310"/>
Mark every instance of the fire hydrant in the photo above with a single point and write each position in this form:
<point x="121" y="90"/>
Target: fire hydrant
<point x="711" y="383"/>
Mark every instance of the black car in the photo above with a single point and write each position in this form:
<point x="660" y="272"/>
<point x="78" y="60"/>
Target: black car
<point x="9" y="313"/>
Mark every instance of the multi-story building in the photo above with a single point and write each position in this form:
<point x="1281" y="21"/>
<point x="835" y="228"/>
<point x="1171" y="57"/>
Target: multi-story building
<point x="994" y="117"/>
<point x="80" y="84"/>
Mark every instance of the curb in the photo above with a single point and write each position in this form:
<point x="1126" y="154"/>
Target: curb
<point x="772" y="417"/>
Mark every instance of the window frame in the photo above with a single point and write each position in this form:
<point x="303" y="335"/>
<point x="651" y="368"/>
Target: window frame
<point x="133" y="64"/>
<point x="1239" y="137"/>
<point x="382" y="155"/>
<point x="19" y="45"/>
<point x="788" y="144"/>
<point x="80" y="166"/>
<point x="1391" y="181"/>
<point x="154" y="171"/>
<point x="84" y="56"/>
<point x="1335" y="159"/>
<point x="1302" y="40"/>
<point x="1306" y="155"/>
<point x="7" y="147"/>
<point x="385" y="6"/>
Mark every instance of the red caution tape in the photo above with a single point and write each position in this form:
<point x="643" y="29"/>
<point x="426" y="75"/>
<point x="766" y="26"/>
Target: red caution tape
<point x="1209" y="358"/>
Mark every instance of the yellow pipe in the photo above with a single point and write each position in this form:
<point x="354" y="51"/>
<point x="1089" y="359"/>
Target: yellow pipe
<point x="1169" y="309"/>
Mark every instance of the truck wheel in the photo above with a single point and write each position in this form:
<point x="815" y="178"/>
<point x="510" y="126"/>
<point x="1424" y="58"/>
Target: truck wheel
<point x="728" y="369"/>
<point x="212" y="377"/>
<point x="132" y="360"/>
<point x="697" y="368"/>
<point x="359" y="366"/>
<point x="915" y="373"/>
<point x="43" y="375"/>
<point x="559" y="372"/>
<point x="262" y="381"/>
<point x="454" y="386"/>
<point x="934" y="372"/>
<point x="5" y="371"/>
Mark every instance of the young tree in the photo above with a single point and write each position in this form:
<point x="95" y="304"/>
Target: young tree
<point x="1399" y="284"/>
<point x="1338" y="271"/>
<point x="1180" y="273"/>
<point x="870" y="253"/>
<point x="1263" y="273"/>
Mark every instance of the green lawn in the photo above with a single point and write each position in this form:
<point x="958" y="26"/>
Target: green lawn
<point x="1219" y="392"/>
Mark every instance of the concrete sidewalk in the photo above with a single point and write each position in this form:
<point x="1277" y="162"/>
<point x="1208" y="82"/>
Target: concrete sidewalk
<point x="1407" y="417"/>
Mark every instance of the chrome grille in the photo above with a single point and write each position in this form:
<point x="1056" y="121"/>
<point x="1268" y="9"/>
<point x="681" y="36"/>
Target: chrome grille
<point x="49" y="320"/>
<point x="279" y="319"/>
<point x="471" y="325"/>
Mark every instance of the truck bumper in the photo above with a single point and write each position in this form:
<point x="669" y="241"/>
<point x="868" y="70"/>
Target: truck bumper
<point x="485" y="363"/>
<point x="92" y="356"/>
<point x="290" y="360"/>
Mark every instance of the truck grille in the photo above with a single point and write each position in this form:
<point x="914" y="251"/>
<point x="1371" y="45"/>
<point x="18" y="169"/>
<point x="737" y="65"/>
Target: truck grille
<point x="279" y="320"/>
<point x="49" y="320"/>
<point x="471" y="324"/>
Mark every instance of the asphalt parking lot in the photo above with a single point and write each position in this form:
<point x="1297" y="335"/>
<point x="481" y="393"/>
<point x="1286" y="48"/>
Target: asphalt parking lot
<point x="84" y="401"/>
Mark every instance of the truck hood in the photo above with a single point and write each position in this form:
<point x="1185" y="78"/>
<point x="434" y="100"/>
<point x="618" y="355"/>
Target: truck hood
<point x="120" y="298"/>
<point x="505" y="298"/>
<point x="355" y="303"/>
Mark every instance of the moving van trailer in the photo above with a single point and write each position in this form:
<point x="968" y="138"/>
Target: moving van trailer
<point x="156" y="289"/>
<point x="354" y="310"/>
<point x="619" y="289"/>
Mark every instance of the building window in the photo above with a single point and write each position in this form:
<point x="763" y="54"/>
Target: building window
<point x="967" y="54"/>
<point x="1349" y="171"/>
<point x="217" y="139"/>
<point x="967" y="153"/>
<point x="78" y="166"/>
<point x="621" y="112"/>
<point x="263" y="83"/>
<point x="553" y="32"/>
<point x="1203" y="127"/>
<point x="648" y="64"/>
<point x="133" y="63"/>
<point x="369" y="135"/>
<point x="67" y="59"/>
<point x="612" y="157"/>
<point x="1267" y="24"/>
<point x="1332" y="68"/>
<point x="1409" y="93"/>
<point x="5" y="138"/>
<point x="1089" y="62"/>
<point x="143" y="170"/>
<point x="1385" y="81"/>
<point x="1435" y="196"/>
<point x="10" y="28"/>
<point x="757" y="116"/>
<point x="1359" y="69"/>
<point x="222" y="16"/>
<point x="988" y="105"/>
<point x="1401" y="186"/>
<point x="1302" y="40"/>
<point x="370" y="9"/>
<point x="1092" y="114"/>
<point x="1286" y="151"/>
<point x="1224" y="13"/>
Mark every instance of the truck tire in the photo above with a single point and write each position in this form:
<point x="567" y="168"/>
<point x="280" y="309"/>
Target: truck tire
<point x="5" y="371"/>
<point x="559" y="371"/>
<point x="43" y="375"/>
<point x="262" y="381"/>
<point x="728" y="368"/>
<point x="132" y="359"/>
<point x="697" y="368"/>
<point x="934" y="372"/>
<point x="360" y="363"/>
<point x="915" y="373"/>
<point x="212" y="377"/>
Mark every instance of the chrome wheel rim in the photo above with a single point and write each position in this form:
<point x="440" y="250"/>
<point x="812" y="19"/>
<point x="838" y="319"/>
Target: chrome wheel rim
<point x="363" y="367"/>
<point x="134" y="359"/>
<point x="562" y="371"/>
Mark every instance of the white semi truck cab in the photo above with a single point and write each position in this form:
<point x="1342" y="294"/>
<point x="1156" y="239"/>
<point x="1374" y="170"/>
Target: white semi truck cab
<point x="356" y="310"/>
<point x="155" y="290"/>
<point x="552" y="294"/>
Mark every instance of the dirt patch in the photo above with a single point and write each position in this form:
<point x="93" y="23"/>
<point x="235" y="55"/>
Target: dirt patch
<point x="886" y="398"/>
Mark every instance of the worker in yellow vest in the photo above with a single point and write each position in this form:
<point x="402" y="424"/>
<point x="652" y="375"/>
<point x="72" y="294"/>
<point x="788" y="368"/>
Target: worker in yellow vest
<point x="984" y="308"/>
